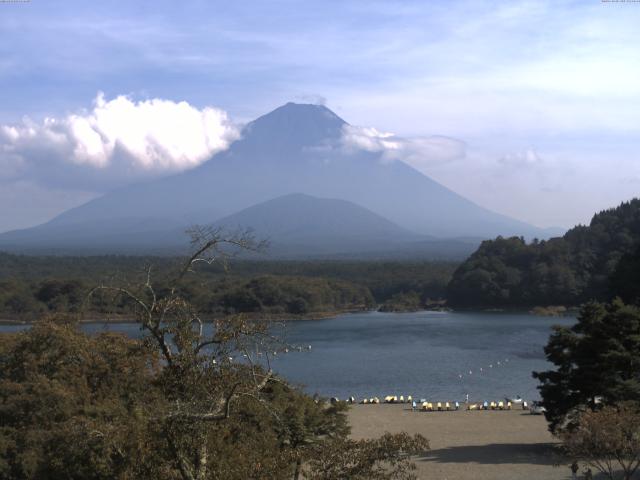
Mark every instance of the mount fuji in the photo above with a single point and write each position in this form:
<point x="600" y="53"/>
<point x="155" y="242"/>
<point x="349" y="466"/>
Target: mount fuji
<point x="346" y="200"/>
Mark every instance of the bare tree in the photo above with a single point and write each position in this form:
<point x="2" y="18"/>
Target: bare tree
<point x="207" y="367"/>
<point x="211" y="373"/>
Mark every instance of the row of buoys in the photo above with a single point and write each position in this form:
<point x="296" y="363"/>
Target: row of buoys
<point x="285" y="350"/>
<point x="440" y="406"/>
<point x="481" y="369"/>
<point x="274" y="353"/>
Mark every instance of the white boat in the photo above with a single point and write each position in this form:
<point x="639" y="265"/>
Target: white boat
<point x="537" y="409"/>
<point x="515" y="400"/>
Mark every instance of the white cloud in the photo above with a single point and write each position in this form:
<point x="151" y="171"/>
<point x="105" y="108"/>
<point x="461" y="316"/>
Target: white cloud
<point x="120" y="136"/>
<point x="419" y="152"/>
<point x="368" y="139"/>
<point x="524" y="159"/>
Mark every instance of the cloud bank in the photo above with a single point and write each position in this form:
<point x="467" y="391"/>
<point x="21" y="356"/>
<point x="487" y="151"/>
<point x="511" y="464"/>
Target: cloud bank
<point x="419" y="152"/>
<point x="524" y="159"/>
<point x="117" y="138"/>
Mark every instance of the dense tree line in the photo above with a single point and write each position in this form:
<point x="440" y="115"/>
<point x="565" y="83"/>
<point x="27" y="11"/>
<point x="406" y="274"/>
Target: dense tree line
<point x="569" y="270"/>
<point x="625" y="280"/>
<point x="31" y="286"/>
<point x="384" y="279"/>
<point x="266" y="294"/>
<point x="592" y="393"/>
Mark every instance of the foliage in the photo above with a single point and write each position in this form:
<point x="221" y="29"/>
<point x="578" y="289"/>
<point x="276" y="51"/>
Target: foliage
<point x="174" y="405"/>
<point x="71" y="406"/>
<point x="403" y="302"/>
<point x="569" y="270"/>
<point x="597" y="359"/>
<point x="625" y="280"/>
<point x="607" y="439"/>
<point x="377" y="459"/>
<point x="265" y="294"/>
<point x="31" y="286"/>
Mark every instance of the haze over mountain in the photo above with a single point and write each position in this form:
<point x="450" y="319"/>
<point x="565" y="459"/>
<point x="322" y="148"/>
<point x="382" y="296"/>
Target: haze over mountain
<point x="294" y="149"/>
<point x="299" y="225"/>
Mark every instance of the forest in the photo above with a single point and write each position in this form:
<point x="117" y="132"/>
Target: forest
<point x="174" y="404"/>
<point x="589" y="262"/>
<point x="569" y="270"/>
<point x="31" y="286"/>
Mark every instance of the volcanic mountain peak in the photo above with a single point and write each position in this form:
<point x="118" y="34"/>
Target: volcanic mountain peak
<point x="276" y="156"/>
<point x="295" y="125"/>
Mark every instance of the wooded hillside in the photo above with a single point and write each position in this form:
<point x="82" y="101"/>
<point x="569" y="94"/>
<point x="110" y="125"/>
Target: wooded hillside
<point x="569" y="270"/>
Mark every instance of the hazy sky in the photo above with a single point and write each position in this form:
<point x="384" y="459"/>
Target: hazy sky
<point x="531" y="109"/>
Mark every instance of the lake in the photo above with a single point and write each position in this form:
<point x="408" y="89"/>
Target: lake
<point x="435" y="355"/>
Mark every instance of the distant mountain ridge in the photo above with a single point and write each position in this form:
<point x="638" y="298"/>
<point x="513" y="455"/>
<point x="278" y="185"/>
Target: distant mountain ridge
<point x="302" y="219"/>
<point x="294" y="149"/>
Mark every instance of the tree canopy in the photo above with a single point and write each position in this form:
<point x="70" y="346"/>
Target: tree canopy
<point x="188" y="401"/>
<point x="625" y="280"/>
<point x="607" y="439"/>
<point x="33" y="286"/>
<point x="569" y="270"/>
<point x="597" y="360"/>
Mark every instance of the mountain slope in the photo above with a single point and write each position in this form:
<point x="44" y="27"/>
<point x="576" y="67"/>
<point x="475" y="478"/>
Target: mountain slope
<point x="302" y="224"/>
<point x="295" y="148"/>
<point x="302" y="218"/>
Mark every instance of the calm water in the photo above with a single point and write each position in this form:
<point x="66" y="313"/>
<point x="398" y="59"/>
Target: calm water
<point x="441" y="356"/>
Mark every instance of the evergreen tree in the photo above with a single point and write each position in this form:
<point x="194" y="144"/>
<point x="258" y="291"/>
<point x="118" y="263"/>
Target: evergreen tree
<point x="567" y="270"/>
<point x="625" y="281"/>
<point x="597" y="360"/>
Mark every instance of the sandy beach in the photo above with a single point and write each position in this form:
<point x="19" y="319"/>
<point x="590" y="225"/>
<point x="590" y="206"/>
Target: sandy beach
<point x="478" y="445"/>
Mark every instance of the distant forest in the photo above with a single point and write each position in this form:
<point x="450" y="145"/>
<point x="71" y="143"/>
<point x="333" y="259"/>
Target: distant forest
<point x="587" y="263"/>
<point x="31" y="286"/>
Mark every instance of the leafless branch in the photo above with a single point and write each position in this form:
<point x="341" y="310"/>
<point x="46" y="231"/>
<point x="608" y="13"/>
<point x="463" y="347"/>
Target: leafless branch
<point x="211" y="240"/>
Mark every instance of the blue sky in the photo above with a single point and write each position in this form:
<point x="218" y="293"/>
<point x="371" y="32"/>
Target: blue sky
<point x="544" y="96"/>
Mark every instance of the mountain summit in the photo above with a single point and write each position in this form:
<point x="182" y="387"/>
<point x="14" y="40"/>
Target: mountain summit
<point x="293" y="126"/>
<point x="293" y="149"/>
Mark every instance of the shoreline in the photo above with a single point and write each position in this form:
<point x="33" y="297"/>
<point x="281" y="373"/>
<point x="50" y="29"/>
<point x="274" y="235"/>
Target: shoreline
<point x="311" y="316"/>
<point x="273" y="317"/>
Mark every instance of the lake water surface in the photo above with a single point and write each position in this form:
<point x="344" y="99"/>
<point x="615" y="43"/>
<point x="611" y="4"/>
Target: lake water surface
<point x="440" y="356"/>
